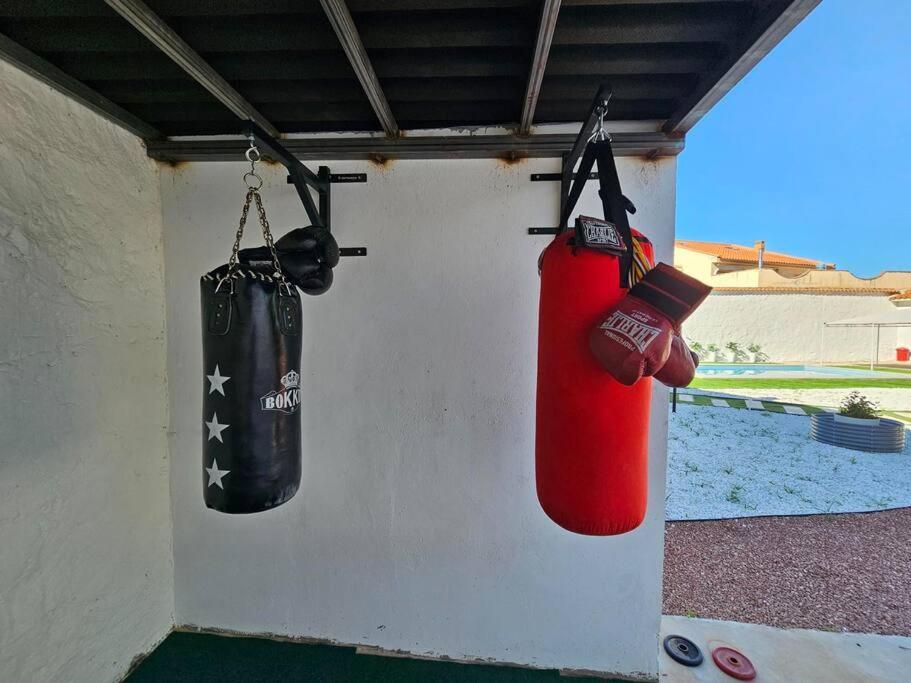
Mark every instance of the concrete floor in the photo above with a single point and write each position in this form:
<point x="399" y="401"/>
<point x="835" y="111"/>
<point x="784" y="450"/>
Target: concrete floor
<point x="788" y="655"/>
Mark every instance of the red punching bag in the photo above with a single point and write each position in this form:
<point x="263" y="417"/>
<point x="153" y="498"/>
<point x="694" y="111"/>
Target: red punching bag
<point x="591" y="447"/>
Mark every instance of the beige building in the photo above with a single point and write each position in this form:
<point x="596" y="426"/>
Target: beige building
<point x="779" y="303"/>
<point x="736" y="266"/>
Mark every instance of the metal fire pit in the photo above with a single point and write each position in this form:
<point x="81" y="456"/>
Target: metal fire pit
<point x="888" y="436"/>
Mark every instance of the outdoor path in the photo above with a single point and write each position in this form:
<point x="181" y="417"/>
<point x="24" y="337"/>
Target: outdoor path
<point x="716" y="400"/>
<point x="888" y="399"/>
<point x="787" y="655"/>
<point x="849" y="572"/>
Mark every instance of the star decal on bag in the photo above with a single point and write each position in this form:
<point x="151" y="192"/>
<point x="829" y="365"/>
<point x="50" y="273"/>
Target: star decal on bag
<point x="217" y="382"/>
<point x="215" y="429"/>
<point x="216" y="475"/>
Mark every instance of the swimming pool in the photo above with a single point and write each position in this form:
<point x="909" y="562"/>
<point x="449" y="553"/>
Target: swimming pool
<point x="769" y="371"/>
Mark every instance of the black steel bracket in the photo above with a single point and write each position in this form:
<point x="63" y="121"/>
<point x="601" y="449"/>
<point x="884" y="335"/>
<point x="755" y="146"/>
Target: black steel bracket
<point x="566" y="176"/>
<point x="304" y="179"/>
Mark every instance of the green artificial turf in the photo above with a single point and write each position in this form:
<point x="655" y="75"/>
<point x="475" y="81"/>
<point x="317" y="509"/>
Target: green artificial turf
<point x="699" y="400"/>
<point x="771" y="383"/>
<point x="770" y="406"/>
<point x="208" y="658"/>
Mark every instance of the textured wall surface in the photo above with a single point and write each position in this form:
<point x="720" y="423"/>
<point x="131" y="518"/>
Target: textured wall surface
<point x="789" y="327"/>
<point x="416" y="526"/>
<point x="903" y="338"/>
<point x="85" y="545"/>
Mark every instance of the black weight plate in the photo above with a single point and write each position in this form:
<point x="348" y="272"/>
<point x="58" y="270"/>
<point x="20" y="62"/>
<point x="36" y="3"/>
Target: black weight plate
<point x="683" y="650"/>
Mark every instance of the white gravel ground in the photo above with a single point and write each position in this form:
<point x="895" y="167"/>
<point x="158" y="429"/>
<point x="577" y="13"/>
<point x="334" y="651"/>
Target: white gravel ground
<point x="726" y="463"/>
<point x="888" y="399"/>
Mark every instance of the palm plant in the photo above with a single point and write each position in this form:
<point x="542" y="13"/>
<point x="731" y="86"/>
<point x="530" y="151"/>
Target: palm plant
<point x="737" y="354"/>
<point x="758" y="355"/>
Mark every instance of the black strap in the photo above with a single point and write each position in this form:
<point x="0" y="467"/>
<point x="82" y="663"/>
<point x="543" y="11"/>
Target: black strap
<point x="613" y="202"/>
<point x="575" y="190"/>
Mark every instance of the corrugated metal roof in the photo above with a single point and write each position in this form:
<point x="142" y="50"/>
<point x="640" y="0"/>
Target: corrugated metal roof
<point x="738" y="253"/>
<point x="441" y="63"/>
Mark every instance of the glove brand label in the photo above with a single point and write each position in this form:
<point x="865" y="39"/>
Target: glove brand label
<point x="629" y="332"/>
<point x="284" y="400"/>
<point x="599" y="234"/>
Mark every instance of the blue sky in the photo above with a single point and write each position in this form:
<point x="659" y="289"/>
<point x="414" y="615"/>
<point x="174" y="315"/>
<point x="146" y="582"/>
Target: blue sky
<point x="812" y="150"/>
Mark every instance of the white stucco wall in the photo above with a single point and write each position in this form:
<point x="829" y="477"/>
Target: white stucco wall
<point x="789" y="327"/>
<point x="85" y="544"/>
<point x="416" y="526"/>
<point x="903" y="337"/>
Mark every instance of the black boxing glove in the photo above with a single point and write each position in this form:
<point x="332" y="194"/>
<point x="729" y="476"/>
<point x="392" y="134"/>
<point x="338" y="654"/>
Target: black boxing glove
<point x="310" y="240"/>
<point x="307" y="257"/>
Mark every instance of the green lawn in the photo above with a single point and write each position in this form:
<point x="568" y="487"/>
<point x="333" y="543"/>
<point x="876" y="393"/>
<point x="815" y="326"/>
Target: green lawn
<point x="770" y="383"/>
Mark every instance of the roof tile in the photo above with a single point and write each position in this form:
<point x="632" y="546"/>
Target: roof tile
<point x="738" y="253"/>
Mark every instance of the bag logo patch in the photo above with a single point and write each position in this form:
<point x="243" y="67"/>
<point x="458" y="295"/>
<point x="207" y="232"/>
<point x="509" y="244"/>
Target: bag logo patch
<point x="599" y="234"/>
<point x="629" y="332"/>
<point x="284" y="400"/>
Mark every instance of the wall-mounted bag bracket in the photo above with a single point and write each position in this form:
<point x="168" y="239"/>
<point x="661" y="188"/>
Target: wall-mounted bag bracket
<point x="571" y="182"/>
<point x="304" y="180"/>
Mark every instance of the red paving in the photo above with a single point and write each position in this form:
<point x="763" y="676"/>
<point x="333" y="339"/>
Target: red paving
<point x="835" y="572"/>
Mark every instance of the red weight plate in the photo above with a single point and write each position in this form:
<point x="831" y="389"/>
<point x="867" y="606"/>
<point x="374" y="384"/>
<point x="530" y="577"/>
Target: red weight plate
<point x="733" y="663"/>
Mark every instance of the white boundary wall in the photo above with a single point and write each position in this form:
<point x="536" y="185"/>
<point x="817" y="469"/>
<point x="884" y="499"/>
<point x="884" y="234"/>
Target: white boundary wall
<point x="416" y="526"/>
<point x="789" y="326"/>
<point x="85" y="533"/>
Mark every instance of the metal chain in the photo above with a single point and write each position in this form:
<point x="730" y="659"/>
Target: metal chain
<point x="232" y="262"/>
<point x="267" y="236"/>
<point x="253" y="194"/>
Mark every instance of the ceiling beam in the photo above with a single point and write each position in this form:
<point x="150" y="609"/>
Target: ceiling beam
<point x="768" y="29"/>
<point x="49" y="74"/>
<point x="348" y="36"/>
<point x="150" y="25"/>
<point x="509" y="147"/>
<point x="550" y="10"/>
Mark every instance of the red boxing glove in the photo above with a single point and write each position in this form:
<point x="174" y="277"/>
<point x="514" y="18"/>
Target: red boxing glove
<point x="680" y="367"/>
<point x="634" y="339"/>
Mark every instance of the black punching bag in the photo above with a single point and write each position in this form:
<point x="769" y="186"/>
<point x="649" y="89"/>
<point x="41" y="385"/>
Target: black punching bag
<point x="251" y="340"/>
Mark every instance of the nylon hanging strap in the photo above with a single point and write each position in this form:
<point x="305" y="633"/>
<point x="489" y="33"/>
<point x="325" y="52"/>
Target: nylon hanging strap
<point x="575" y="190"/>
<point x="613" y="202"/>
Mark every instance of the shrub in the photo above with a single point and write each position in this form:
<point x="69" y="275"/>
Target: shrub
<point x="858" y="405"/>
<point x="737" y="353"/>
<point x="756" y="350"/>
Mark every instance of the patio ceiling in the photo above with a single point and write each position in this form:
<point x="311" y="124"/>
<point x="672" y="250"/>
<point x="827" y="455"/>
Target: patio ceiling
<point x="167" y="68"/>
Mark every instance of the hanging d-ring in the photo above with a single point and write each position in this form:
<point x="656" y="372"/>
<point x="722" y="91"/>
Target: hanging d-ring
<point x="252" y="179"/>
